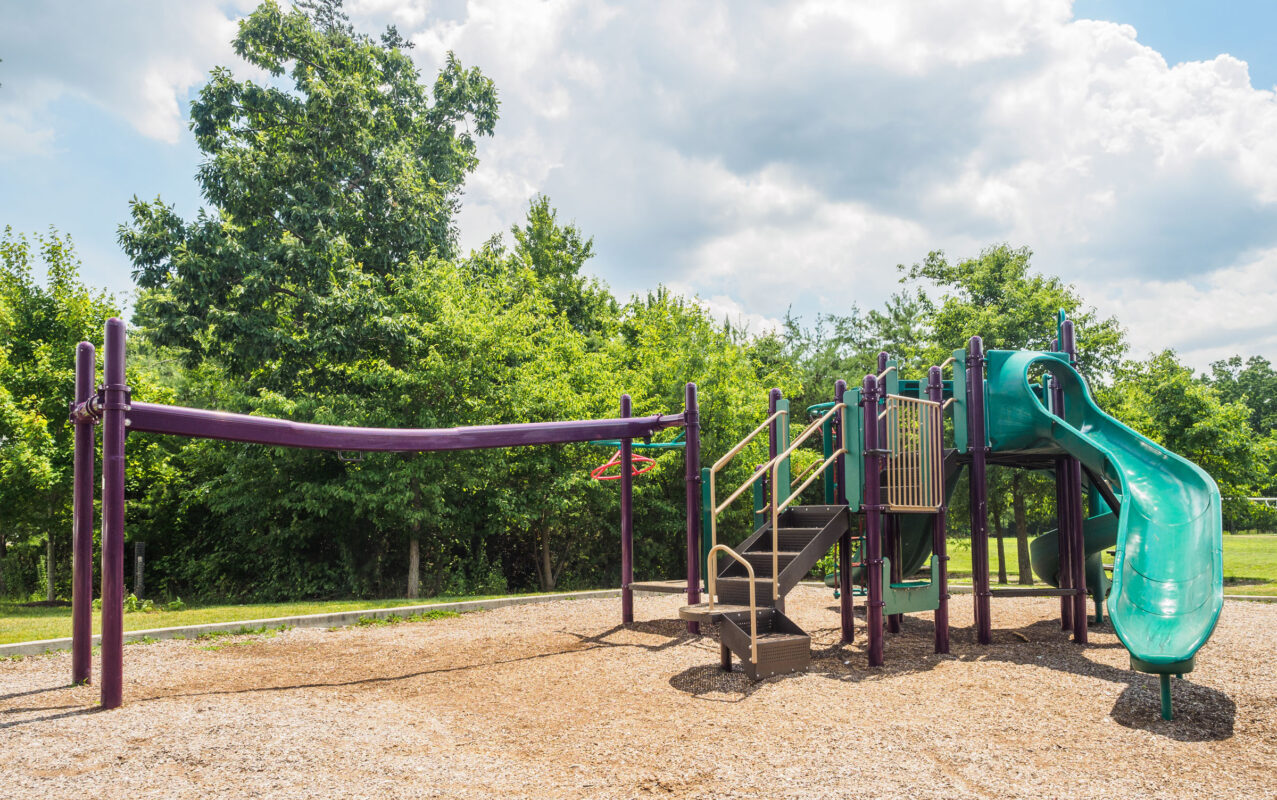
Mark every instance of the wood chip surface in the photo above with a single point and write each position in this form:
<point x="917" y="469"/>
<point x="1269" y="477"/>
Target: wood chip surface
<point x="559" y="700"/>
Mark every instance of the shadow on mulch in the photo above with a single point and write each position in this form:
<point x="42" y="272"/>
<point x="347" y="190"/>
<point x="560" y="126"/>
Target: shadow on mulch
<point x="1201" y="713"/>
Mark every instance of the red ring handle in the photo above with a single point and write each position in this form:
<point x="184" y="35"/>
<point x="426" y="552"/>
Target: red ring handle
<point x="615" y="460"/>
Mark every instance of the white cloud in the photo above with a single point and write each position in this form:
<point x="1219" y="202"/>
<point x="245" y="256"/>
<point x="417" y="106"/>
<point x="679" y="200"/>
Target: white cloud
<point x="768" y="155"/>
<point x="136" y="60"/>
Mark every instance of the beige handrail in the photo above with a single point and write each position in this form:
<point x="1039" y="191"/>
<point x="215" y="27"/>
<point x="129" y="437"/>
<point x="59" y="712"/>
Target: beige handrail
<point x="776" y="505"/>
<point x="722" y="462"/>
<point x="753" y="597"/>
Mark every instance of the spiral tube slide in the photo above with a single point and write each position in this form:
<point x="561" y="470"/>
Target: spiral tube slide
<point x="1168" y="578"/>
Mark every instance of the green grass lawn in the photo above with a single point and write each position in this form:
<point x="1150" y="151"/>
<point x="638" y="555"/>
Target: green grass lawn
<point x="22" y="624"/>
<point x="1250" y="563"/>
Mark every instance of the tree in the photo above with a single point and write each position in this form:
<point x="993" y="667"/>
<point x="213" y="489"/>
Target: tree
<point x="998" y="296"/>
<point x="309" y="282"/>
<point x="319" y="194"/>
<point x="42" y="319"/>
<point x="1253" y="383"/>
<point x="1160" y="398"/>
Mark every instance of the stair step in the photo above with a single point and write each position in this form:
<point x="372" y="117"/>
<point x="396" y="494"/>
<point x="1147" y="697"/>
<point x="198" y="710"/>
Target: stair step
<point x="782" y="645"/>
<point x="701" y="612"/>
<point x="761" y="562"/>
<point x="736" y="591"/>
<point x="791" y="539"/>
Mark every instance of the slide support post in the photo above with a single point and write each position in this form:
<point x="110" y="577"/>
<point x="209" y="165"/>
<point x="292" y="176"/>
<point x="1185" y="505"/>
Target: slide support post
<point x="939" y="545"/>
<point x="873" y="521"/>
<point x="627" y="520"/>
<point x="846" y="607"/>
<point x="979" y="490"/>
<point x="1167" y="711"/>
<point x="1078" y="543"/>
<point x="82" y="521"/>
<point x="692" y="479"/>
<point x="116" y="403"/>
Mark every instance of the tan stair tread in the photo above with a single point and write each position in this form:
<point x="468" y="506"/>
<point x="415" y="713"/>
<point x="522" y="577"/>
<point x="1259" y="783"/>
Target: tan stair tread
<point x="701" y="613"/>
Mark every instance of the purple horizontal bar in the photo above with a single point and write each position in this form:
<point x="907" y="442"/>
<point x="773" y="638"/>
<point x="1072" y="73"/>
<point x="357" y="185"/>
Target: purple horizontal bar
<point x="198" y="423"/>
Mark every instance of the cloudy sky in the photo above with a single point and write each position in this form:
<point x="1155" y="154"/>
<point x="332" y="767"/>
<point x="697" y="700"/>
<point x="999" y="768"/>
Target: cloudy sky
<point x="759" y="155"/>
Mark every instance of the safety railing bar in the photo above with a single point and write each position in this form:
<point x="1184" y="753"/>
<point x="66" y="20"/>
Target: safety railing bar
<point x="823" y="466"/>
<point x="740" y="490"/>
<point x="947" y="362"/>
<point x="727" y="457"/>
<point x="885" y="372"/>
<point x="753" y="597"/>
<point x="803" y="474"/>
<point x="806" y="434"/>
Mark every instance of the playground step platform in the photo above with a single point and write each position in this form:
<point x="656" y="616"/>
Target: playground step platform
<point x="782" y="646"/>
<point x="804" y="534"/>
<point x="701" y="612"/>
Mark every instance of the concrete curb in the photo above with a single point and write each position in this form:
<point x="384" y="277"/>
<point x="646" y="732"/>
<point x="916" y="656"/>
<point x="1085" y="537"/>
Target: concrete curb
<point x="333" y="620"/>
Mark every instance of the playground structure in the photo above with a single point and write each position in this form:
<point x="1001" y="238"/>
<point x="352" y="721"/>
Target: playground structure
<point x="888" y="475"/>
<point x="891" y="451"/>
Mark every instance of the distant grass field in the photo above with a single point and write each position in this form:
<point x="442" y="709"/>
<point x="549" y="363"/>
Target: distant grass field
<point x="23" y="624"/>
<point x="1250" y="563"/>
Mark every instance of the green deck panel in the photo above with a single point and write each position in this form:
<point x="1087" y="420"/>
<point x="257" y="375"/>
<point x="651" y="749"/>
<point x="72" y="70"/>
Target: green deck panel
<point x="910" y="596"/>
<point x="855" y="443"/>
<point x="1168" y="579"/>
<point x="959" y="407"/>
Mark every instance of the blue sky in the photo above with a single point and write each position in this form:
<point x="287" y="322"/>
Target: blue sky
<point x="761" y="156"/>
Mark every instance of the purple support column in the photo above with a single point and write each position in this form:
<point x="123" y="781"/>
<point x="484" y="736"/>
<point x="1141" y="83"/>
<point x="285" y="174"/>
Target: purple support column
<point x="1064" y="575"/>
<point x="846" y="606"/>
<point x="82" y="524"/>
<point x="773" y="449"/>
<point x="939" y="545"/>
<point x="979" y="490"/>
<point x="1077" y="543"/>
<point x="627" y="520"/>
<point x="113" y="429"/>
<point x="891" y="522"/>
<point x="873" y="521"/>
<point x="692" y="479"/>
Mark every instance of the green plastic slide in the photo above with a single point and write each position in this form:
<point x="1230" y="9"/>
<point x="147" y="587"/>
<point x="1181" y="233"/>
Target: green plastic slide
<point x="1168" y="585"/>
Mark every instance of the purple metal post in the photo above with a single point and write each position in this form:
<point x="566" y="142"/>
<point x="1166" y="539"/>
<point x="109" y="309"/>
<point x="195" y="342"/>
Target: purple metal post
<point x="873" y="521"/>
<point x="773" y="449"/>
<point x="627" y="520"/>
<point x="82" y="523"/>
<point x="114" y="406"/>
<point x="979" y="490"/>
<point x="1064" y="574"/>
<point x="692" y="480"/>
<point x="846" y="606"/>
<point x="1078" y="545"/>
<point x="939" y="546"/>
<point x="891" y="522"/>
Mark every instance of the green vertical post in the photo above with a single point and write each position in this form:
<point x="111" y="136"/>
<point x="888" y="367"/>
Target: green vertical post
<point x="1166" y="697"/>
<point x="960" y="400"/>
<point x="853" y="440"/>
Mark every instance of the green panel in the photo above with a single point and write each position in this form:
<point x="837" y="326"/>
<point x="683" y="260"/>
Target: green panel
<point x="784" y="476"/>
<point x="893" y="377"/>
<point x="905" y="598"/>
<point x="960" y="400"/>
<point x="855" y="443"/>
